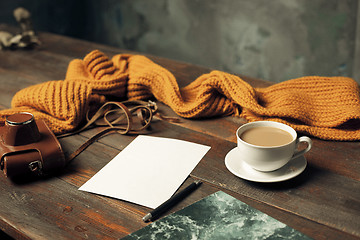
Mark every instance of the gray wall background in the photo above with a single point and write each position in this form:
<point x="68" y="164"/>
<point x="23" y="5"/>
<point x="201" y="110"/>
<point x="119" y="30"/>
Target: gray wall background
<point x="274" y="40"/>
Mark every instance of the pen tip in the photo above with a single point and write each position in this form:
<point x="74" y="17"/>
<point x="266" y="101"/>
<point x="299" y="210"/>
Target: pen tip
<point x="147" y="217"/>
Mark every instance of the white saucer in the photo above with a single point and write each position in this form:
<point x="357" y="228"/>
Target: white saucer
<point x="239" y="168"/>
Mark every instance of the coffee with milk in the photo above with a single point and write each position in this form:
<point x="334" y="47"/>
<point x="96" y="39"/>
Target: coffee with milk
<point x="266" y="136"/>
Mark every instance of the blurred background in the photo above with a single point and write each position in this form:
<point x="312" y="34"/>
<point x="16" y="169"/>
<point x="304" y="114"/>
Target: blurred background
<point x="273" y="40"/>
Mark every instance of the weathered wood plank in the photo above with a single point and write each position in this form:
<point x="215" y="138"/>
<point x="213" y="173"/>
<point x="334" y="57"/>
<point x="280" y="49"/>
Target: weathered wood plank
<point x="49" y="208"/>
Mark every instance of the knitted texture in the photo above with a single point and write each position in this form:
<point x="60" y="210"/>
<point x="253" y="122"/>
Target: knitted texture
<point x="325" y="107"/>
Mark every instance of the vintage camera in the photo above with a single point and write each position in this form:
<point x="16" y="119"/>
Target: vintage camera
<point x="28" y="147"/>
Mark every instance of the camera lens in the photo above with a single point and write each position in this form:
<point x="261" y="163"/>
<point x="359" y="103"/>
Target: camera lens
<point x="20" y="118"/>
<point x="21" y="129"/>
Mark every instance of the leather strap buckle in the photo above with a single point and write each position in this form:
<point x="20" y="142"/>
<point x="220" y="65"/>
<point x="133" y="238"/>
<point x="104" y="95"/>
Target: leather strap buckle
<point x="35" y="166"/>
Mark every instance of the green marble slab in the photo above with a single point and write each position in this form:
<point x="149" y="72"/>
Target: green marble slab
<point x="218" y="216"/>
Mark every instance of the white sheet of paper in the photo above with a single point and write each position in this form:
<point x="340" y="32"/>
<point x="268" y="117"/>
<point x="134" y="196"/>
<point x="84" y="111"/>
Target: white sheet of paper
<point x="148" y="171"/>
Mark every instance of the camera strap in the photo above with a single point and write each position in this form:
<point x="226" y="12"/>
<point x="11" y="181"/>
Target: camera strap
<point x="119" y="117"/>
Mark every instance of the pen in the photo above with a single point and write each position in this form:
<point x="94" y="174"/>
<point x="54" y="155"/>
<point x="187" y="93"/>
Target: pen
<point x="171" y="202"/>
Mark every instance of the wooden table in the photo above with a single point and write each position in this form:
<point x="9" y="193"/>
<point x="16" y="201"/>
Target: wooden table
<point x="322" y="202"/>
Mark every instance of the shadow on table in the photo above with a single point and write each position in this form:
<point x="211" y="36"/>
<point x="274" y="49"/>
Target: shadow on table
<point x="310" y="173"/>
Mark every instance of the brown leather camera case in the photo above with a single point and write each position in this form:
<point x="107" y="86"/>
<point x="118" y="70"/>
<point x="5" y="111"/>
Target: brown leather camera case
<point x="27" y="155"/>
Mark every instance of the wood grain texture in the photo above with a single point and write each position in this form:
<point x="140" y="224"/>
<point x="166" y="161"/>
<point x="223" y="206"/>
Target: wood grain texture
<point x="322" y="202"/>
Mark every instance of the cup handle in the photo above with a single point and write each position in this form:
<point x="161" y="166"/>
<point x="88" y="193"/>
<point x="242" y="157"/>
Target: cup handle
<point x="301" y="152"/>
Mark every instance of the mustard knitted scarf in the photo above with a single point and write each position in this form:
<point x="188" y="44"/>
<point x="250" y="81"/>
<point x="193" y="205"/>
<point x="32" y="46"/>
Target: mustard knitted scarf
<point x="324" y="107"/>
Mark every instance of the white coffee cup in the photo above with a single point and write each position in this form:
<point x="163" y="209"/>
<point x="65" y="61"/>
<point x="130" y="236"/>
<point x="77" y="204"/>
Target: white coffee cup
<point x="270" y="158"/>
